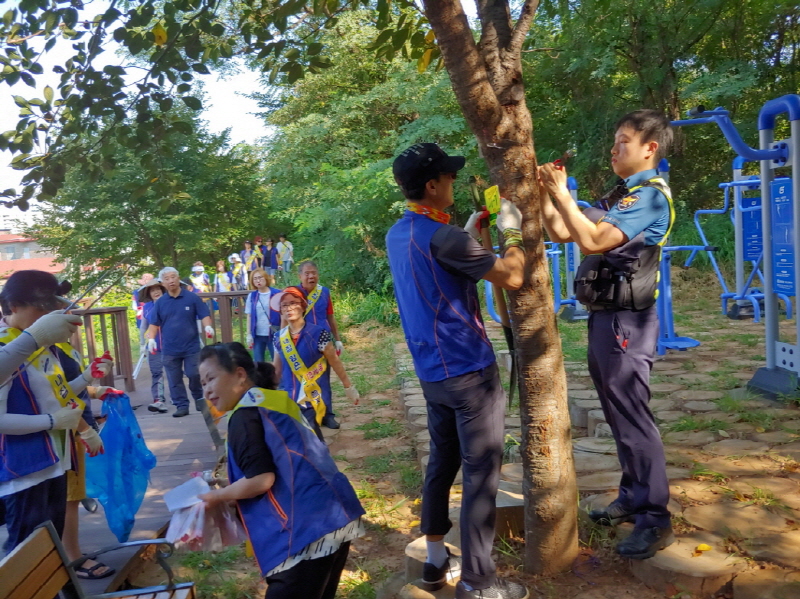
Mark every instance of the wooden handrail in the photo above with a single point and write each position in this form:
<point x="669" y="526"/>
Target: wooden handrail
<point x="114" y="339"/>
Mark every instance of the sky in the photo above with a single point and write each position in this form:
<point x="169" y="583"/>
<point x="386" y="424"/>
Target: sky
<point x="226" y="107"/>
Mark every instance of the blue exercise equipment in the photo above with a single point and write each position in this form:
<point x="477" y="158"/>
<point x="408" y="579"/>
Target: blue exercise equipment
<point x="780" y="224"/>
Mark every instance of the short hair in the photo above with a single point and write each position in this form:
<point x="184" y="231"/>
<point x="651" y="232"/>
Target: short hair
<point x="283" y="235"/>
<point x="305" y="263"/>
<point x="167" y="270"/>
<point x="653" y="126"/>
<point x="260" y="271"/>
<point x="231" y="356"/>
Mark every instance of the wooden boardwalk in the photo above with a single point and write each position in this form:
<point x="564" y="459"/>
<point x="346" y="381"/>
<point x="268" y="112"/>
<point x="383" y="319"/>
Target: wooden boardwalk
<point x="181" y="445"/>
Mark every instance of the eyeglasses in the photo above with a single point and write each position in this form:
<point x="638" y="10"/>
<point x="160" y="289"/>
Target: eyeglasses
<point x="291" y="305"/>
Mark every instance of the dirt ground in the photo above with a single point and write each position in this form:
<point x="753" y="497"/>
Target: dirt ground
<point x="376" y="449"/>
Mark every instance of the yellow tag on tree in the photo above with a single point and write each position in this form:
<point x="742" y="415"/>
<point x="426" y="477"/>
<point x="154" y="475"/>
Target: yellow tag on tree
<point x="492" y="197"/>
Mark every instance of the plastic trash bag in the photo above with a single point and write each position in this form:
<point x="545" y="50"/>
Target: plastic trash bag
<point x="199" y="529"/>
<point x="118" y="478"/>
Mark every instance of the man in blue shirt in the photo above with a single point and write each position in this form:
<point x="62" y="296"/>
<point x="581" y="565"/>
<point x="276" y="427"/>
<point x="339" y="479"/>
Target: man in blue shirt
<point x="618" y="281"/>
<point x="435" y="267"/>
<point x="176" y="313"/>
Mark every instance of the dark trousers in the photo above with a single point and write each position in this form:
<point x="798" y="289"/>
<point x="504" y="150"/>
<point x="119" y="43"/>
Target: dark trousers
<point x="466" y="422"/>
<point x="35" y="505"/>
<point x="176" y="366"/>
<point x="621" y="348"/>
<point x="311" y="417"/>
<point x="261" y="345"/>
<point x="309" y="579"/>
<point x="157" y="374"/>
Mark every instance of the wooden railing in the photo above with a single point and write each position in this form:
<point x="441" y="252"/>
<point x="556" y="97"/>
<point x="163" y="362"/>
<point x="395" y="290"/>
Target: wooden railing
<point x="227" y="315"/>
<point x="106" y="329"/>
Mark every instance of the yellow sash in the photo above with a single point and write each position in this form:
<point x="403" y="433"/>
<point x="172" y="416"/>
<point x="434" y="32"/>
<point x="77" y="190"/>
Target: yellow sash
<point x="313" y="297"/>
<point x="277" y="401"/>
<point x="310" y="389"/>
<point x="46" y="362"/>
<point x="73" y="353"/>
<point x="250" y="259"/>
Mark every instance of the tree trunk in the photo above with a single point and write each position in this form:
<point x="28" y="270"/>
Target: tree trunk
<point x="487" y="81"/>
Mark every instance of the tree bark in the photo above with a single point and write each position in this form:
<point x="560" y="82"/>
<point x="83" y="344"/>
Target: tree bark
<point x="487" y="81"/>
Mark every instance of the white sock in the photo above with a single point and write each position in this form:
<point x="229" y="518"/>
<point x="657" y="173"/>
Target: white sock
<point x="437" y="553"/>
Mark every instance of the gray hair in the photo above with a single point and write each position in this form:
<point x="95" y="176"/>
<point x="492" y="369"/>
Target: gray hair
<point x="305" y="263"/>
<point x="165" y="271"/>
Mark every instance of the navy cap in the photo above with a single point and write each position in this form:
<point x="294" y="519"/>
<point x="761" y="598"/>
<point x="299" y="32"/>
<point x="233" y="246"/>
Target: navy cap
<point x="422" y="162"/>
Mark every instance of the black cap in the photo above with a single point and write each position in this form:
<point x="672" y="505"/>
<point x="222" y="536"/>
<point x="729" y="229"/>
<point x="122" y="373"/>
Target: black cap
<point x="422" y="162"/>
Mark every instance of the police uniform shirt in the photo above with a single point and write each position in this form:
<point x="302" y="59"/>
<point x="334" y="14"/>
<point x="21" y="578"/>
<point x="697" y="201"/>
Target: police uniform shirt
<point x="646" y="210"/>
<point x="458" y="253"/>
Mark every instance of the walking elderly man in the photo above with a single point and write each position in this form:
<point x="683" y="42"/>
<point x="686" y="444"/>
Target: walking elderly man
<point x="435" y="267"/>
<point x="176" y="314"/>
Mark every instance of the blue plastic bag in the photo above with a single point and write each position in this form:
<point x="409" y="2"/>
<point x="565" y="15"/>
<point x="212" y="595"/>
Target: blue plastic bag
<point x="119" y="477"/>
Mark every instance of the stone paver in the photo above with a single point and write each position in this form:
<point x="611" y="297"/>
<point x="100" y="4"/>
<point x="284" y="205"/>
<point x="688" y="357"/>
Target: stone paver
<point x="665" y="387"/>
<point x="594" y="462"/>
<point x="785" y="490"/>
<point x="699" y="406"/>
<point x="595" y="445"/>
<point x="679" y="567"/>
<point x="736" y="447"/>
<point x="781" y="549"/>
<point x="689" y="438"/>
<point x="767" y="584"/>
<point x="587" y="394"/>
<point x="696" y="395"/>
<point x="736" y="518"/>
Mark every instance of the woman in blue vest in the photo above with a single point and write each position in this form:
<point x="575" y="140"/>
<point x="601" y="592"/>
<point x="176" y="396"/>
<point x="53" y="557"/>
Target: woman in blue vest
<point x="260" y="317"/>
<point x="299" y="511"/>
<point x="303" y="351"/>
<point x="150" y="293"/>
<point x="39" y="408"/>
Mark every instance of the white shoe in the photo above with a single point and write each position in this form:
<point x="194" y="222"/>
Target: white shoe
<point x="158" y="406"/>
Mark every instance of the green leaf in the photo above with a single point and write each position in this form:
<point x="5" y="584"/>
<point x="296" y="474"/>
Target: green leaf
<point x="199" y="67"/>
<point x="48" y="94"/>
<point x="192" y="102"/>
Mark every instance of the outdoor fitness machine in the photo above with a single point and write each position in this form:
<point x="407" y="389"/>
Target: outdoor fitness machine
<point x="780" y="224"/>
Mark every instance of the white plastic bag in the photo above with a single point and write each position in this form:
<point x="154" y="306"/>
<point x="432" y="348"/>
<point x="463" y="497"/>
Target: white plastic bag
<point x="199" y="529"/>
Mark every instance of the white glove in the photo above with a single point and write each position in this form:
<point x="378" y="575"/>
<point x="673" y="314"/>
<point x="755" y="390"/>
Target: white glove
<point x="473" y="225"/>
<point x="209" y="331"/>
<point x="53" y="328"/>
<point x="67" y="418"/>
<point x="250" y="341"/>
<point x="92" y="441"/>
<point x="339" y="348"/>
<point x="509" y="216"/>
<point x="352" y="394"/>
<point x="151" y="346"/>
<point x="99" y="367"/>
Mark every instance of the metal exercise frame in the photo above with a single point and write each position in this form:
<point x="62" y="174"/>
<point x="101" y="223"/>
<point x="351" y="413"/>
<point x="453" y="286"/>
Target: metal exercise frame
<point x="779" y="377"/>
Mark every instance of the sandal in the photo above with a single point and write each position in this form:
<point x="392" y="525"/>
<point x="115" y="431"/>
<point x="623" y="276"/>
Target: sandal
<point x="89" y="573"/>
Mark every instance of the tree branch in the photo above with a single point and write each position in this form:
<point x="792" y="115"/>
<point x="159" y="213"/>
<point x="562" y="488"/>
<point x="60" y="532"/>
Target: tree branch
<point x="468" y="73"/>
<point x="523" y="25"/>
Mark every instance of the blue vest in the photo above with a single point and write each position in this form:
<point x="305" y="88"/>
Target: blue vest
<point x="306" y="345"/>
<point x="274" y="315"/>
<point x="440" y="312"/>
<point x="310" y="497"/>
<point x="319" y="313"/>
<point x="21" y="455"/>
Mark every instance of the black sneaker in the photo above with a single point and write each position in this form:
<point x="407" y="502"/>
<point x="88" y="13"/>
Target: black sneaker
<point x="612" y="515"/>
<point x="330" y="422"/>
<point x="434" y="578"/>
<point x="645" y="542"/>
<point x="501" y="589"/>
<point x="180" y="412"/>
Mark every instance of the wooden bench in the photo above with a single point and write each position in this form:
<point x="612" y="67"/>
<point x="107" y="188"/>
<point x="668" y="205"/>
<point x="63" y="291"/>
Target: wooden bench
<point x="38" y="569"/>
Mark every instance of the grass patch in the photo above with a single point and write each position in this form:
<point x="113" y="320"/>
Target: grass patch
<point x="701" y="473"/>
<point x="227" y="574"/>
<point x="411" y="479"/>
<point x="692" y="423"/>
<point x="380" y="430"/>
<point x="729" y="404"/>
<point x="381" y="464"/>
<point x="758" y="418"/>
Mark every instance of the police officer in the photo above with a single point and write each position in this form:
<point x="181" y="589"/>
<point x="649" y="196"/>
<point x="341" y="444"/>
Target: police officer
<point x="617" y="281"/>
<point x="435" y="267"/>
